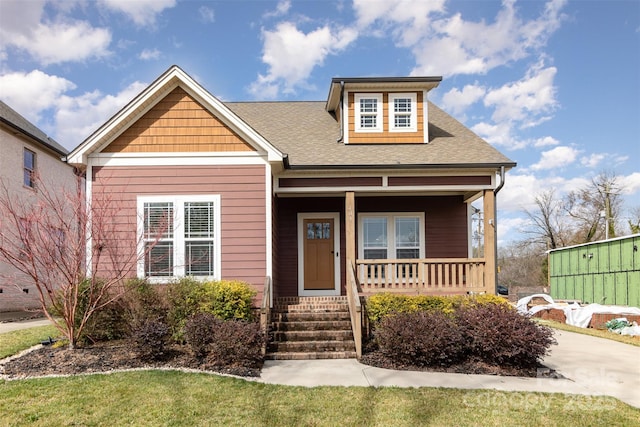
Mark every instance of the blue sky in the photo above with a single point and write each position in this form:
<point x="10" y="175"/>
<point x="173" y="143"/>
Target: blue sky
<point x="554" y="85"/>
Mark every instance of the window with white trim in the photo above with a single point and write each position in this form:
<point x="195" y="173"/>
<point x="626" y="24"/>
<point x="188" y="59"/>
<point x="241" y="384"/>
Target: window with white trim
<point x="368" y="107"/>
<point x="391" y="236"/>
<point x="29" y="168"/>
<point x="180" y="236"/>
<point x="403" y="112"/>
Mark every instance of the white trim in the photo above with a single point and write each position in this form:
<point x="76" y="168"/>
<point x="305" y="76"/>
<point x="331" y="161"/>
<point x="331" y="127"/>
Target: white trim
<point x="178" y="234"/>
<point x="413" y="114"/>
<point x="345" y="117"/>
<point x="268" y="182"/>
<point x="150" y="96"/>
<point x="336" y="249"/>
<point x="178" y="159"/>
<point x="384" y="190"/>
<point x="379" y="112"/>
<point x="391" y="238"/>
<point x="425" y="116"/>
<point x="88" y="182"/>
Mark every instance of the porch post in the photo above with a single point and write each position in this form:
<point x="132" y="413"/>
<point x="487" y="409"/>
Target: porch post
<point x="350" y="228"/>
<point x="489" y="208"/>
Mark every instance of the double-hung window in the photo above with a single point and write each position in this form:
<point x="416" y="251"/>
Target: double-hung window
<point x="391" y="236"/>
<point x="180" y="236"/>
<point x="368" y="112"/>
<point x="29" y="168"/>
<point x="402" y="112"/>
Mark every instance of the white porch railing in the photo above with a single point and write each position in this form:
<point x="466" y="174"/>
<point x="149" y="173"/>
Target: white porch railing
<point x="431" y="275"/>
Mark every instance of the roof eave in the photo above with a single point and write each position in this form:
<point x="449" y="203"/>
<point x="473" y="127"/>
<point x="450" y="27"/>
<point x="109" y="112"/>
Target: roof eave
<point x="32" y="136"/>
<point x="507" y="166"/>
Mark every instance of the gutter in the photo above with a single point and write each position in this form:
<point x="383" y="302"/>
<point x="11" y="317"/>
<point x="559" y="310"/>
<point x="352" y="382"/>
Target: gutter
<point x="341" y="137"/>
<point x="495" y="221"/>
<point x="502" y="166"/>
<point x="32" y="136"/>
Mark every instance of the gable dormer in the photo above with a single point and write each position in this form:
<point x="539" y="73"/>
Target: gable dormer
<point x="382" y="110"/>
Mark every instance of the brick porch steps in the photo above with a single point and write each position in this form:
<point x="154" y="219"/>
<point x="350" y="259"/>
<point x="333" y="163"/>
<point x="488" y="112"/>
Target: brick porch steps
<point x="305" y="328"/>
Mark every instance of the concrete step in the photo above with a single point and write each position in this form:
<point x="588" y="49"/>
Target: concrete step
<point x="311" y="355"/>
<point x="337" y="325"/>
<point x="310" y="316"/>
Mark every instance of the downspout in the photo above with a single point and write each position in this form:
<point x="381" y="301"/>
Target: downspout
<point x="495" y="221"/>
<point x="341" y="137"/>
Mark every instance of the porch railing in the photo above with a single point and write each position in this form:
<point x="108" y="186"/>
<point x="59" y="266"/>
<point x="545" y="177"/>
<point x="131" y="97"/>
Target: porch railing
<point x="355" y="307"/>
<point x="445" y="275"/>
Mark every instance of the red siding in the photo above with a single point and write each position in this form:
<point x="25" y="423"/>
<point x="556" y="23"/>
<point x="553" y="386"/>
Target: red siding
<point x="242" y="199"/>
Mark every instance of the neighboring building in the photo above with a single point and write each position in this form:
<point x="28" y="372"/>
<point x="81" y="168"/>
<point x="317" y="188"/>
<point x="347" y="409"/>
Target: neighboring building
<point x="26" y="153"/>
<point x="603" y="272"/>
<point x="375" y="180"/>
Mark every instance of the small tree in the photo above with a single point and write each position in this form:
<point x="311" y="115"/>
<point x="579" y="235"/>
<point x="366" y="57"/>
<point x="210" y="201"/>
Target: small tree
<point x="56" y="240"/>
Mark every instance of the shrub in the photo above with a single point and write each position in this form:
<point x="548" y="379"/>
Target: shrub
<point x="150" y="338"/>
<point x="225" y="299"/>
<point x="236" y="343"/>
<point x="422" y="338"/>
<point x="199" y="332"/>
<point x="385" y="304"/>
<point x="108" y="323"/>
<point x="144" y="301"/>
<point x="496" y="333"/>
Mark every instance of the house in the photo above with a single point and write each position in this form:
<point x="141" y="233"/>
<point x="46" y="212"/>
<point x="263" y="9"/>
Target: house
<point x="27" y="157"/>
<point x="369" y="190"/>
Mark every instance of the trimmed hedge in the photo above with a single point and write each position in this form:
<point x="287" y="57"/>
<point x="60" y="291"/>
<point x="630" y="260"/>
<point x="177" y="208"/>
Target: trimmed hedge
<point x="382" y="305"/>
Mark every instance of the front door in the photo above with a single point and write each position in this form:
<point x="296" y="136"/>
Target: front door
<point x="319" y="244"/>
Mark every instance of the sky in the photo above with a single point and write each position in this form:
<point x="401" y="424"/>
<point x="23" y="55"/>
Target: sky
<point x="553" y="85"/>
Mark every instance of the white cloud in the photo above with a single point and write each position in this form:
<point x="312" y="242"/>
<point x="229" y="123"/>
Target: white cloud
<point x="149" y="54"/>
<point x="593" y="160"/>
<point x="291" y="56"/>
<point x="77" y="117"/>
<point x="51" y="42"/>
<point x="282" y="8"/>
<point x="33" y="92"/>
<point x="556" y="158"/>
<point x="456" y="101"/>
<point x="142" y="12"/>
<point x="518" y="101"/>
<point x="630" y="184"/>
<point x="207" y="15"/>
<point x="545" y="141"/>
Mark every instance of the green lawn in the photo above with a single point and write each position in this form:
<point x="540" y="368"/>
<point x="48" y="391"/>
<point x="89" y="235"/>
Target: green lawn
<point x="172" y="398"/>
<point x="16" y="341"/>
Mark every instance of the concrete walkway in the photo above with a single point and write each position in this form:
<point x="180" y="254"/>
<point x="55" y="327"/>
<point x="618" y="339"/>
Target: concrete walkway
<point x="591" y="366"/>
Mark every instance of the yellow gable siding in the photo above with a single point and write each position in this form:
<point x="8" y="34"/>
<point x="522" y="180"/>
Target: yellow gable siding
<point x="177" y="123"/>
<point x="386" y="137"/>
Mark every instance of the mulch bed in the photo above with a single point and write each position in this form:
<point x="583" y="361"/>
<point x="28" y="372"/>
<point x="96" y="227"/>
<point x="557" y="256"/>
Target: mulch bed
<point x="109" y="356"/>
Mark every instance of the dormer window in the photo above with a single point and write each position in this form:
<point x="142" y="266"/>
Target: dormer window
<point x="368" y="112"/>
<point x="402" y="112"/>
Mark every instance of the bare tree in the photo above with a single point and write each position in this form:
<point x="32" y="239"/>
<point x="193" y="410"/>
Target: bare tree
<point x="547" y="221"/>
<point x="634" y="220"/>
<point x="593" y="205"/>
<point x="59" y="242"/>
<point x="522" y="265"/>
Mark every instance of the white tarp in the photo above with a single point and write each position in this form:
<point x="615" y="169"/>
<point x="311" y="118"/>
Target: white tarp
<point x="576" y="314"/>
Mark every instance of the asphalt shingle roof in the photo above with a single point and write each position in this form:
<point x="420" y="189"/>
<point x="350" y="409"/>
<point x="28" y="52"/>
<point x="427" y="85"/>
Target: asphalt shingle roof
<point x="308" y="134"/>
<point x="9" y="116"/>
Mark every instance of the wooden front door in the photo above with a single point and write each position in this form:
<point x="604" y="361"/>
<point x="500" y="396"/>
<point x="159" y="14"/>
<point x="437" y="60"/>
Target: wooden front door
<point x="319" y="254"/>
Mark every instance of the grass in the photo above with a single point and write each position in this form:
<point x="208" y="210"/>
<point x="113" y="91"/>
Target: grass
<point x="633" y="340"/>
<point x="16" y="341"/>
<point x="173" y="398"/>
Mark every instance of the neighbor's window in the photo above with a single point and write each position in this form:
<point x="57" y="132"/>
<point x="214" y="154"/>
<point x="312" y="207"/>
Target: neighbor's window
<point x="402" y="112"/>
<point x="180" y="236"/>
<point x="368" y="112"/>
<point x="29" y="168"/>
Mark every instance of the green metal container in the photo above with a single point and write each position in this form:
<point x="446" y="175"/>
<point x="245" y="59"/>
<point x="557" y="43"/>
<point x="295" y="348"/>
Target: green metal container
<point x="603" y="272"/>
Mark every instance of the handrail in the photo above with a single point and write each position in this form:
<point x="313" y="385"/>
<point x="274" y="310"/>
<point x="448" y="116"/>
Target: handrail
<point x="265" y="310"/>
<point x="355" y="307"/>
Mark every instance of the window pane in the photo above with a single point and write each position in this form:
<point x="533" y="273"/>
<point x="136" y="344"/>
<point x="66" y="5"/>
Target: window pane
<point x="374" y="232"/>
<point x="402" y="121"/>
<point x="407" y="232"/>
<point x="368" y="105"/>
<point x="29" y="168"/>
<point x="29" y="159"/>
<point x="368" y="121"/>
<point x="159" y="260"/>
<point x="158" y="220"/>
<point x="199" y="219"/>
<point x="375" y="254"/>
<point x="408" y="253"/>
<point x="199" y="258"/>
<point x="402" y="105"/>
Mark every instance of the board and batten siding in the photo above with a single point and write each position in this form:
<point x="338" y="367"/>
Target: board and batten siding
<point x="242" y="199"/>
<point x="177" y="123"/>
